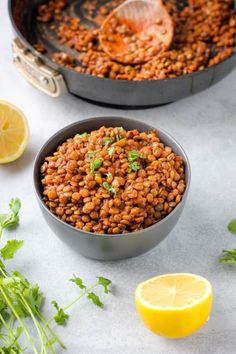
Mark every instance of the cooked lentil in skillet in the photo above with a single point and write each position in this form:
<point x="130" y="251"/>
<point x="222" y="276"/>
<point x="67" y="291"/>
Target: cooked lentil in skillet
<point x="204" y="35"/>
<point x="113" y="181"/>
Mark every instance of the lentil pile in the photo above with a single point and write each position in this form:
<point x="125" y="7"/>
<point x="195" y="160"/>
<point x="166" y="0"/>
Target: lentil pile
<point x="204" y="36"/>
<point x="113" y="181"/>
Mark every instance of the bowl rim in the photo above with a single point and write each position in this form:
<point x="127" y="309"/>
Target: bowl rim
<point x="108" y="118"/>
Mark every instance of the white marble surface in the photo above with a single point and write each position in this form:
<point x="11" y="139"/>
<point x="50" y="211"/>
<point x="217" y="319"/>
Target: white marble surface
<point x="205" y="125"/>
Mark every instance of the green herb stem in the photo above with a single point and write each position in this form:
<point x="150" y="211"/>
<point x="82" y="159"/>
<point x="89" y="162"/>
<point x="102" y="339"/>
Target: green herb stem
<point x="45" y="322"/>
<point x="38" y="327"/>
<point x="87" y="291"/>
<point x="12" y="335"/>
<point x="8" y="301"/>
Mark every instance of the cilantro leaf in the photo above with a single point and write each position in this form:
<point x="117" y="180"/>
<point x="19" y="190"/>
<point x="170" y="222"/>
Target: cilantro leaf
<point x="91" y="153"/>
<point x="118" y="136"/>
<point x="15" y="205"/>
<point x="133" y="155"/>
<point x="111" y="151"/>
<point x="95" y="299"/>
<point x="96" y="163"/>
<point x="109" y="188"/>
<point x="229" y="256"/>
<point x="34" y="297"/>
<point x="107" y="140"/>
<point x="232" y="226"/>
<point x="61" y="317"/>
<point x="11" y="247"/>
<point x="83" y="135"/>
<point x="105" y="283"/>
<point x="109" y="174"/>
<point x="10" y="220"/>
<point x="134" y="166"/>
<point x="78" y="281"/>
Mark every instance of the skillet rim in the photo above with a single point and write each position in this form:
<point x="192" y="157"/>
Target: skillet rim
<point x="60" y="68"/>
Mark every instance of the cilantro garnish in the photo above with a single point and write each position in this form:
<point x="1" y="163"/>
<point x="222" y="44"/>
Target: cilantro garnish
<point x="20" y="299"/>
<point x="229" y="256"/>
<point x="78" y="281"/>
<point x="109" y="188"/>
<point x="118" y="136"/>
<point x="95" y="299"/>
<point x="107" y="140"/>
<point x="83" y="135"/>
<point x="61" y="317"/>
<point x="91" y="153"/>
<point x="11" y="247"/>
<point x="96" y="163"/>
<point x="133" y="155"/>
<point x="111" y="151"/>
<point x="232" y="226"/>
<point x="12" y="219"/>
<point x="134" y="166"/>
<point x="105" y="283"/>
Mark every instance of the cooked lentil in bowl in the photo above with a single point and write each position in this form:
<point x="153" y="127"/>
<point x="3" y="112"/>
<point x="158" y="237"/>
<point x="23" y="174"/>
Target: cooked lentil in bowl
<point x="113" y="181"/>
<point x="205" y="34"/>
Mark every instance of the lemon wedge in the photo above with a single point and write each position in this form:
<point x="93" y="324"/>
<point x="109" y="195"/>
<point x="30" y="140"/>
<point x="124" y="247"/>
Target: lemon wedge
<point x="14" y="132"/>
<point x="174" y="305"/>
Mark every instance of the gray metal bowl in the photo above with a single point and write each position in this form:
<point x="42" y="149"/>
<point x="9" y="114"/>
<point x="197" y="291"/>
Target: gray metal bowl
<point x="108" y="247"/>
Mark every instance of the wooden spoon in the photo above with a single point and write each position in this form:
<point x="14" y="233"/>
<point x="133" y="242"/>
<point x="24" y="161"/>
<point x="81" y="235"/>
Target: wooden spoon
<point x="136" y="31"/>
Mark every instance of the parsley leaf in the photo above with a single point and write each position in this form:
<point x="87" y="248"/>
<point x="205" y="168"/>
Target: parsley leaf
<point x="96" y="163"/>
<point x="232" y="226"/>
<point x="11" y="247"/>
<point x="61" y="317"/>
<point x="109" y="188"/>
<point x="105" y="283"/>
<point x="83" y="135"/>
<point x="91" y="153"/>
<point x="78" y="281"/>
<point x="95" y="299"/>
<point x="109" y="174"/>
<point x="111" y="151"/>
<point x="107" y="140"/>
<point x="118" y="136"/>
<point x="229" y="256"/>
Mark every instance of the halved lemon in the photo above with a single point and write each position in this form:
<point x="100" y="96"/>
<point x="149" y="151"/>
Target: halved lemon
<point x="174" y="305"/>
<point x="14" y="132"/>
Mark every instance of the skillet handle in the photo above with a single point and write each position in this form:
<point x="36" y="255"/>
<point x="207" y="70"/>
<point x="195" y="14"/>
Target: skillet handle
<point x="36" y="72"/>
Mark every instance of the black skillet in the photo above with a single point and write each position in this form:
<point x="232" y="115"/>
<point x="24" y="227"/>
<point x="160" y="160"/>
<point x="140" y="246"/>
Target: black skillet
<point x="54" y="79"/>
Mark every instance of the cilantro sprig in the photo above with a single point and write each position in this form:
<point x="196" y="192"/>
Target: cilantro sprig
<point x="109" y="188"/>
<point x="10" y="220"/>
<point x="111" y="151"/>
<point x="133" y="156"/>
<point x="21" y="300"/>
<point x="91" y="153"/>
<point x="80" y="136"/>
<point x="229" y="256"/>
<point x="107" y="141"/>
<point x="118" y="136"/>
<point x="95" y="164"/>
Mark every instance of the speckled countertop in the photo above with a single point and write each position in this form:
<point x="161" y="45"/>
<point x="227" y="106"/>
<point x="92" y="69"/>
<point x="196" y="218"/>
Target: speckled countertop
<point x="205" y="125"/>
